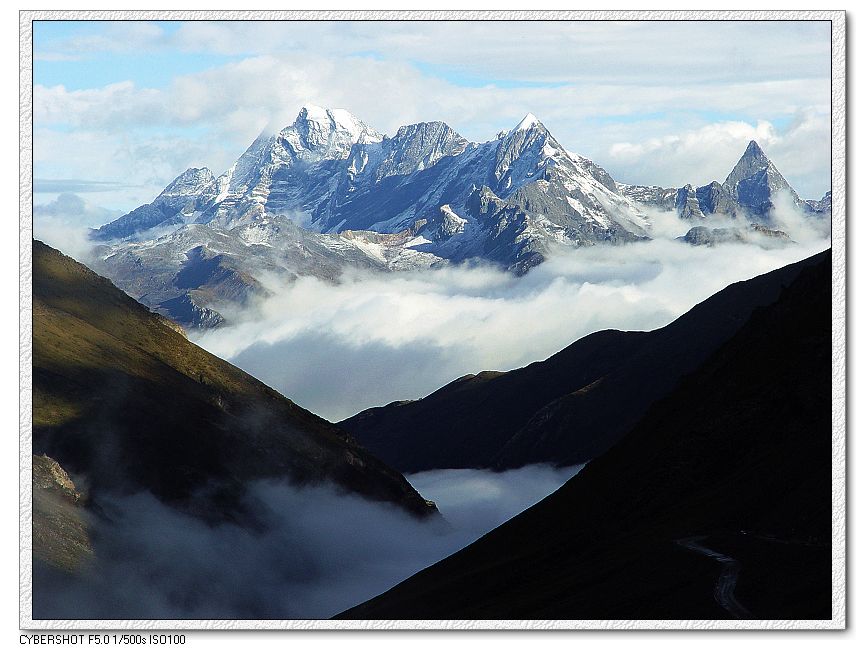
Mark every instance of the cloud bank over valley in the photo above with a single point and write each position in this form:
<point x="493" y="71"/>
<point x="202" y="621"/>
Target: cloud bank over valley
<point x="372" y="338"/>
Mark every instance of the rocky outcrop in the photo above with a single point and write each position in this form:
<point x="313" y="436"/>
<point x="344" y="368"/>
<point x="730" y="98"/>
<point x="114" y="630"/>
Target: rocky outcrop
<point x="753" y="233"/>
<point x="61" y="536"/>
<point x="714" y="198"/>
<point x="687" y="206"/>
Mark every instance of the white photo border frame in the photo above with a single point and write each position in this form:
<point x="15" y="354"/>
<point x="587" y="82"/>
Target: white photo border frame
<point x="839" y="318"/>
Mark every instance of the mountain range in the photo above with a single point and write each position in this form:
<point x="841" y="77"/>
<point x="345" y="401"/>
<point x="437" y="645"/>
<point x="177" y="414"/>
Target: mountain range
<point x="716" y="503"/>
<point x="328" y="193"/>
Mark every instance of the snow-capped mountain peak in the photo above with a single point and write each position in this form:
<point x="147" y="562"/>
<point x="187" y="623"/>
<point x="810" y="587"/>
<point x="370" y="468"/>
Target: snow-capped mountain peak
<point x="328" y="191"/>
<point x="752" y="161"/>
<point x="256" y="184"/>
<point x="524" y="152"/>
<point x="325" y="134"/>
<point x="755" y="179"/>
<point x="312" y="118"/>
<point x="527" y="123"/>
<point x="416" y="147"/>
<point x="312" y="113"/>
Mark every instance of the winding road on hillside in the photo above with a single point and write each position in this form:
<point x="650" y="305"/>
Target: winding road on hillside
<point x="726" y="584"/>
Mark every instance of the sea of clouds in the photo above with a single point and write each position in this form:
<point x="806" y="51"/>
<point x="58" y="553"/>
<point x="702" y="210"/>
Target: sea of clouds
<point x="374" y="338"/>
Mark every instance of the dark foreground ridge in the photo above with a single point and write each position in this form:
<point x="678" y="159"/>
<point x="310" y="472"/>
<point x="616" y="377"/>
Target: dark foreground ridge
<point x="716" y="504"/>
<point x="569" y="408"/>
<point x="123" y="401"/>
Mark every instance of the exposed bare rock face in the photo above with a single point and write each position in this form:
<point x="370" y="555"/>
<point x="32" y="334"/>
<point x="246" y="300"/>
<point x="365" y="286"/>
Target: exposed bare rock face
<point x="61" y="536"/>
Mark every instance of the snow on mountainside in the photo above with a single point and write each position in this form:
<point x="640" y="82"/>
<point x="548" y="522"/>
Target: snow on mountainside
<point x="340" y="174"/>
<point x="750" y="191"/>
<point x="189" y="273"/>
<point x="422" y="198"/>
<point x="176" y="204"/>
<point x="755" y="179"/>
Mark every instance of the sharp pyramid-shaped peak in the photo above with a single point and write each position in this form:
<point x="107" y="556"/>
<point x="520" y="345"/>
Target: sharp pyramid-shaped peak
<point x="529" y="132"/>
<point x="755" y="180"/>
<point x="755" y="156"/>
<point x="530" y="129"/>
<point x="753" y="149"/>
<point x="752" y="161"/>
<point x="524" y="154"/>
<point x="529" y="122"/>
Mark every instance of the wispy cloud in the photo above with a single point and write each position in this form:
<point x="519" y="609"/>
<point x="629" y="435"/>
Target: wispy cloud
<point x="64" y="223"/>
<point x="59" y="185"/>
<point x="559" y="51"/>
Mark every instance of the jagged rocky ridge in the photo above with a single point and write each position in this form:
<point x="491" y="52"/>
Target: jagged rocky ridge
<point x="328" y="192"/>
<point x="766" y="237"/>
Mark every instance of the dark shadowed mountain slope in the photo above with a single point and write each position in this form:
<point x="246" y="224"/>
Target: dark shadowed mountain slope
<point x="124" y="401"/>
<point x="567" y="409"/>
<point x="717" y="504"/>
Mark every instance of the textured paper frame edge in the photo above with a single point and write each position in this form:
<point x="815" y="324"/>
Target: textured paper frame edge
<point x="839" y="322"/>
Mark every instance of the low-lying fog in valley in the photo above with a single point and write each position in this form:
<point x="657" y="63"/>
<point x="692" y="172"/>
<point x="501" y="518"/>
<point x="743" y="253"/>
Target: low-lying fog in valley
<point x="312" y="553"/>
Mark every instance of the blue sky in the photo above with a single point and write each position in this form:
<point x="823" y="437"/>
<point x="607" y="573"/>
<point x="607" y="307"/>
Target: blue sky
<point x="126" y="106"/>
<point x="103" y="66"/>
